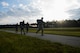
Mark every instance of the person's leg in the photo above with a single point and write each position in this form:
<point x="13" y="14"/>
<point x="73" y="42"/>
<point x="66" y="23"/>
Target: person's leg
<point x="27" y="30"/>
<point x="16" y="30"/>
<point x="38" y="30"/>
<point x="21" y="31"/>
<point x="42" y="32"/>
<point x="24" y="31"/>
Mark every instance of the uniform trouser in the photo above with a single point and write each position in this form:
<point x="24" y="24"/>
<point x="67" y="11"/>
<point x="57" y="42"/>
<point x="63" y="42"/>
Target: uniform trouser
<point x="40" y="29"/>
<point x="27" y="30"/>
<point x="16" y="30"/>
<point x="22" y="31"/>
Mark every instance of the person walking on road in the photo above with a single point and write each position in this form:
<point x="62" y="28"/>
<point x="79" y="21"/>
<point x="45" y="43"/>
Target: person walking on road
<point x="40" y="26"/>
<point x="22" y="26"/>
<point x="27" y="27"/>
<point x="16" y="27"/>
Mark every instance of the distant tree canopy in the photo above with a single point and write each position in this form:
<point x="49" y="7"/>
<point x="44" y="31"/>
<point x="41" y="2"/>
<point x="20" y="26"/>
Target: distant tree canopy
<point x="64" y="23"/>
<point x="50" y="24"/>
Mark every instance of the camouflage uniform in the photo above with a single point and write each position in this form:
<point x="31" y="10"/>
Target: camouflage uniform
<point x="40" y="26"/>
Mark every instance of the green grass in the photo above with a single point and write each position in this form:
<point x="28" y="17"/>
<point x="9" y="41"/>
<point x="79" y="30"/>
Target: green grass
<point x="65" y="33"/>
<point x="15" y="43"/>
<point x="61" y="31"/>
<point x="58" y="31"/>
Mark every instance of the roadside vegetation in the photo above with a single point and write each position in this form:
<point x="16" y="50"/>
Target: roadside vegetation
<point x="16" y="43"/>
<point x="61" y="31"/>
<point x="56" y="31"/>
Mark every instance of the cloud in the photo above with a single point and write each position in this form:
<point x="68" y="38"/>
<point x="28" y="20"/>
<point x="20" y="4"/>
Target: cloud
<point x="74" y="13"/>
<point x="13" y="6"/>
<point x="18" y="13"/>
<point x="78" y="1"/>
<point x="5" y="4"/>
<point x="10" y="20"/>
<point x="23" y="10"/>
<point x="52" y="9"/>
<point x="24" y="7"/>
<point x="2" y="14"/>
<point x="34" y="9"/>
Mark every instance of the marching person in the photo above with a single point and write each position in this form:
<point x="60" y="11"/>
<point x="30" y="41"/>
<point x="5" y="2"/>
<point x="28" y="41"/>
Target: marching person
<point x="27" y="27"/>
<point x="16" y="27"/>
<point x="40" y="26"/>
<point x="22" y="26"/>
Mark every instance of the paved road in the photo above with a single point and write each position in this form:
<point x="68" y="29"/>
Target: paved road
<point x="68" y="40"/>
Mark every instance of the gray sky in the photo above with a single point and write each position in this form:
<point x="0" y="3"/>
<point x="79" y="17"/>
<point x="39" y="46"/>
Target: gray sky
<point x="14" y="11"/>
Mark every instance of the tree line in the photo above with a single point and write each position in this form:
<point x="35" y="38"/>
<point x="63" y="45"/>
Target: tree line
<point x="64" y="23"/>
<point x="50" y="24"/>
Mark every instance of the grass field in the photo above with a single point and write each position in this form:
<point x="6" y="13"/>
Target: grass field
<point x="58" y="31"/>
<point x="15" y="43"/>
<point x="61" y="31"/>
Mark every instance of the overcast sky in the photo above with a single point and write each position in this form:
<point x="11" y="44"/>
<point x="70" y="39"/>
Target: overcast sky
<point x="14" y="11"/>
